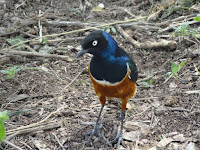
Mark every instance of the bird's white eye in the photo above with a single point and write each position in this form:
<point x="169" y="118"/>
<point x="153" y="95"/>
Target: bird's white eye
<point x="94" y="43"/>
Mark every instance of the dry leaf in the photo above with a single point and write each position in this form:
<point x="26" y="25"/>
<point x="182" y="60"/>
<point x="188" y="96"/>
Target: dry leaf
<point x="40" y="145"/>
<point x="164" y="142"/>
<point x="17" y="97"/>
<point x="97" y="8"/>
<point x="191" y="146"/>
<point x="132" y="136"/>
<point x="195" y="7"/>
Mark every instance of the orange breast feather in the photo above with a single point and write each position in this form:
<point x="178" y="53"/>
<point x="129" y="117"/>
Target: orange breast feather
<point x="124" y="89"/>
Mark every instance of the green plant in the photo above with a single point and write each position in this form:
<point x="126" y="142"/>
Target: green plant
<point x="181" y="30"/>
<point x="16" y="40"/>
<point x="3" y="118"/>
<point x="44" y="40"/>
<point x="175" y="69"/>
<point x="185" y="29"/>
<point x="11" y="72"/>
<point x="147" y="82"/>
<point x="197" y="18"/>
<point x="109" y="29"/>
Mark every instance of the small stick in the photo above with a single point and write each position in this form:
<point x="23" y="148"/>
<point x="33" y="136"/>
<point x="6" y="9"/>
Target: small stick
<point x="67" y="23"/>
<point x="36" y="54"/>
<point x="59" y="40"/>
<point x="80" y="30"/>
<point x="29" y="48"/>
<point x="13" y="145"/>
<point x="145" y="98"/>
<point x="147" y="44"/>
<point x="74" y="79"/>
<point x="26" y="144"/>
<point x="58" y="141"/>
<point x="37" y="123"/>
<point x="27" y="34"/>
<point x="175" y="25"/>
<point x="40" y="27"/>
<point x="193" y="92"/>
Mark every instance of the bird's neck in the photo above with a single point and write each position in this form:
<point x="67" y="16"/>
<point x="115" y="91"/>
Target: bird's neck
<point x="110" y="57"/>
<point x="109" y="53"/>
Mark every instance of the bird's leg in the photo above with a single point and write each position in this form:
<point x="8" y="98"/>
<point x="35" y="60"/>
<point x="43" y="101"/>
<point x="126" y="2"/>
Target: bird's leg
<point x="119" y="139"/>
<point x="97" y="128"/>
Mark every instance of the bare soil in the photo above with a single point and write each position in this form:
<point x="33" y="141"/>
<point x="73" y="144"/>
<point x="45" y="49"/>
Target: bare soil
<point x="53" y="100"/>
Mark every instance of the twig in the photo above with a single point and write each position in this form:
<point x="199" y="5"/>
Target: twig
<point x="26" y="145"/>
<point x="35" y="54"/>
<point x="47" y="126"/>
<point x="161" y="7"/>
<point x="9" y="33"/>
<point x="40" y="27"/>
<point x="31" y="20"/>
<point x="35" y="124"/>
<point x="193" y="92"/>
<point x="177" y="109"/>
<point x="59" y="40"/>
<point x="147" y="44"/>
<point x="175" y="25"/>
<point x="181" y="18"/>
<point x="67" y="23"/>
<point x="79" y="30"/>
<point x="29" y="48"/>
<point x="150" y="76"/>
<point x="58" y="141"/>
<point x="127" y="11"/>
<point x="145" y="98"/>
<point x="74" y="79"/>
<point x="13" y="145"/>
<point x="11" y="136"/>
<point x="27" y="34"/>
<point x="167" y="79"/>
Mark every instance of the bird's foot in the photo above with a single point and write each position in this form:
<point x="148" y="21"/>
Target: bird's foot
<point x="118" y="140"/>
<point x="96" y="130"/>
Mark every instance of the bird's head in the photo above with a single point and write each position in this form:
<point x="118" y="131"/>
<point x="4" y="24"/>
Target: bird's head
<point x="98" y="43"/>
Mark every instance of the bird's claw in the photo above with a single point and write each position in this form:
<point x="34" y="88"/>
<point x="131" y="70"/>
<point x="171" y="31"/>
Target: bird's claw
<point x="96" y="131"/>
<point x="118" y="140"/>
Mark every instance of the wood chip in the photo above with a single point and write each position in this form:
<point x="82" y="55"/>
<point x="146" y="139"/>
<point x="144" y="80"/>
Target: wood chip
<point x="164" y="142"/>
<point x="17" y="97"/>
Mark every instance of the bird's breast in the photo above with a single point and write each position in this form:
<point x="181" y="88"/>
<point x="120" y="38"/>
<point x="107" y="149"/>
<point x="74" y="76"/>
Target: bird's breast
<point x="122" y="89"/>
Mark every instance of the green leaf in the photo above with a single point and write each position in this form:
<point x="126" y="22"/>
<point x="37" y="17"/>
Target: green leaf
<point x="146" y="83"/>
<point x="17" y="40"/>
<point x="181" y="64"/>
<point x="4" y="71"/>
<point x="3" y="118"/>
<point x="107" y="30"/>
<point x="85" y="82"/>
<point x="168" y="74"/>
<point x="2" y="132"/>
<point x="174" y="68"/>
<point x="11" y="72"/>
<point x="197" y="18"/>
<point x="44" y="40"/>
<point x="114" y="30"/>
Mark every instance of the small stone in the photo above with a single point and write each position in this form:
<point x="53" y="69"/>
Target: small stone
<point x="101" y="5"/>
<point x="67" y="113"/>
<point x="191" y="146"/>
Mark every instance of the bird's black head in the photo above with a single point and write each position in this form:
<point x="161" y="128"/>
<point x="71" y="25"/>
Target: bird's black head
<point x="93" y="43"/>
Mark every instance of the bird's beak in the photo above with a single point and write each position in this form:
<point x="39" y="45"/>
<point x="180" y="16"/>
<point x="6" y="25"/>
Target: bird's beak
<point x="81" y="52"/>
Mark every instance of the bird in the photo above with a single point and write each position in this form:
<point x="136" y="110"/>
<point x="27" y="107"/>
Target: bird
<point x="113" y="74"/>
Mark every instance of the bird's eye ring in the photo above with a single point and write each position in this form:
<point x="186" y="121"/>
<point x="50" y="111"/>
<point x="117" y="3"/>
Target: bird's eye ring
<point x="94" y="43"/>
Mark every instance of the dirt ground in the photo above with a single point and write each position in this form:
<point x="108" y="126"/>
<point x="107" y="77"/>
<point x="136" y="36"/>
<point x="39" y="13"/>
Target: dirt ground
<point x="51" y="101"/>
